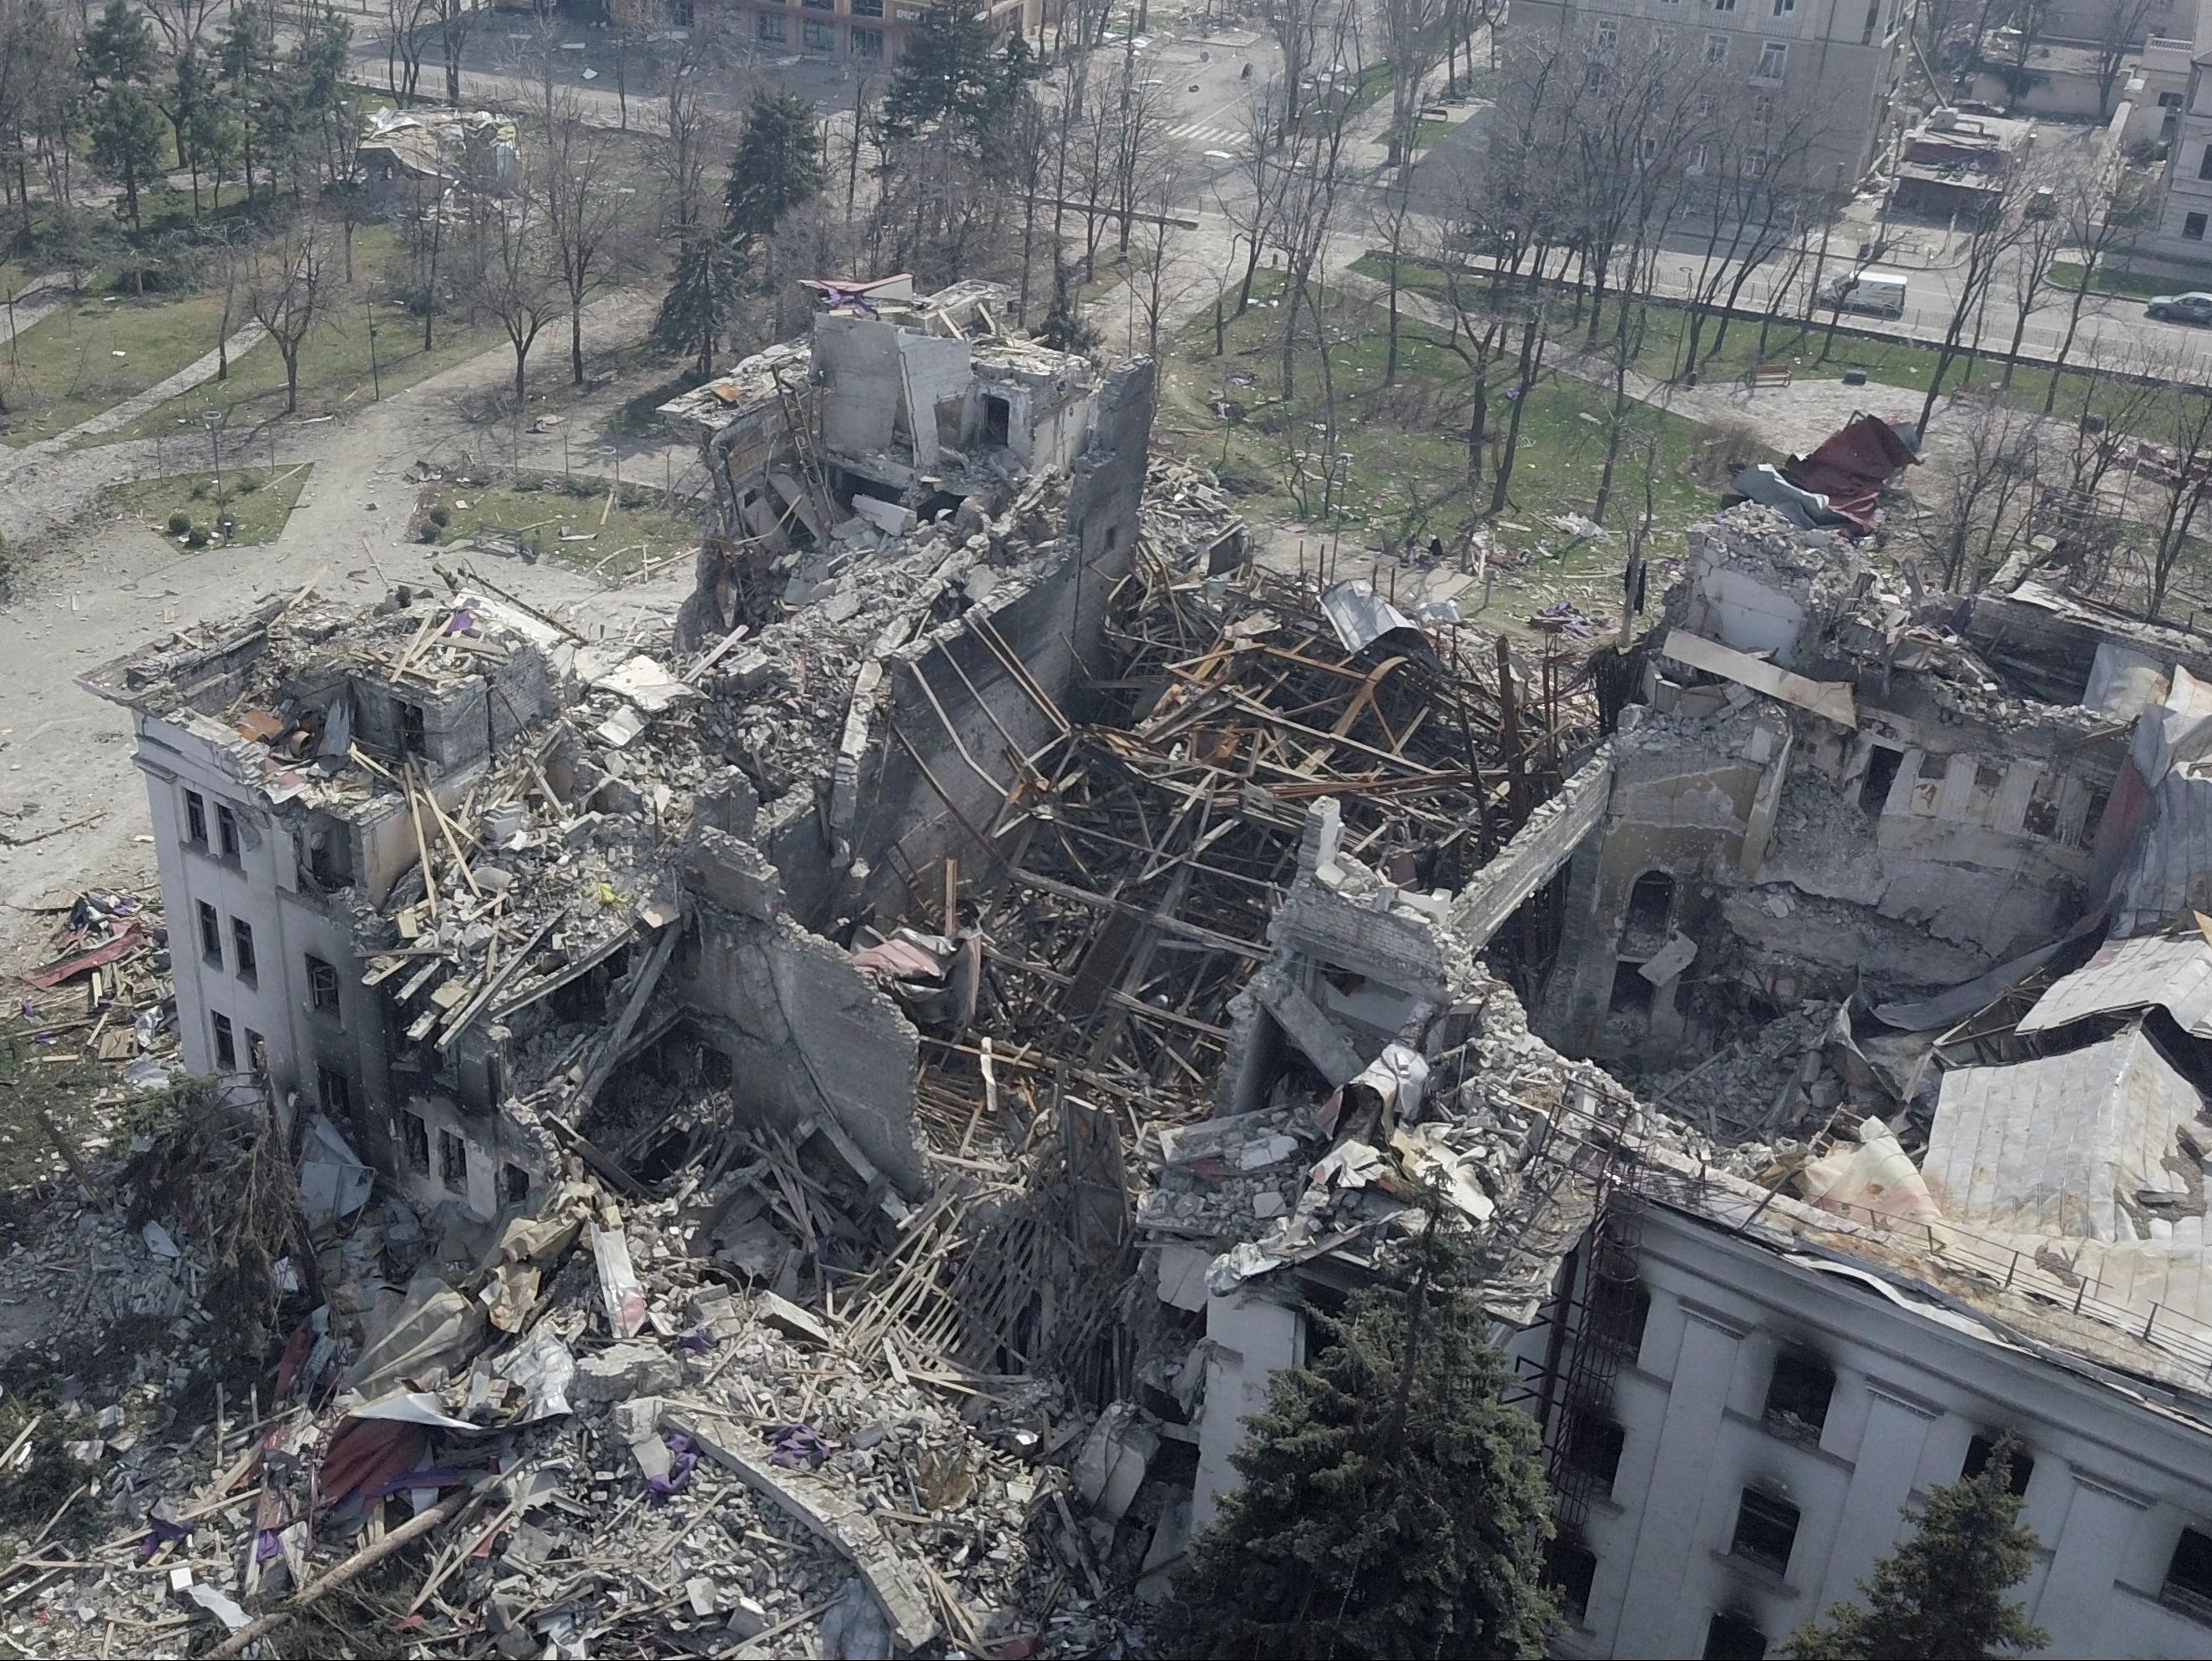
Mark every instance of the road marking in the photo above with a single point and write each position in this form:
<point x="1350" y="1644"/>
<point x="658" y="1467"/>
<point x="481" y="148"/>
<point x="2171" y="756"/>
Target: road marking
<point x="1195" y="131"/>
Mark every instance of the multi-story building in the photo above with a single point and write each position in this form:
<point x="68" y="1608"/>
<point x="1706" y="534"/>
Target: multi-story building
<point x="2185" y="193"/>
<point x="869" y="35"/>
<point x="1841" y="63"/>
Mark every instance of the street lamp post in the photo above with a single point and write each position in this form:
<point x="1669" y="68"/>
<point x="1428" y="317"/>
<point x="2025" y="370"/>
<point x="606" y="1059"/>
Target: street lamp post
<point x="213" y="418"/>
<point x="376" y="374"/>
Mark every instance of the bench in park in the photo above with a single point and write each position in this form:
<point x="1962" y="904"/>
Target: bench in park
<point x="1767" y="375"/>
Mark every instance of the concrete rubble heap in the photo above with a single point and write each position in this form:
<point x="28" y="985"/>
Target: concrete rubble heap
<point x="815" y="1125"/>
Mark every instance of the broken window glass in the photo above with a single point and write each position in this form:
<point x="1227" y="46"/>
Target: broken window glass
<point x="2189" y="1573"/>
<point x="1765" y="1531"/>
<point x="1734" y="1638"/>
<point x="453" y="1162"/>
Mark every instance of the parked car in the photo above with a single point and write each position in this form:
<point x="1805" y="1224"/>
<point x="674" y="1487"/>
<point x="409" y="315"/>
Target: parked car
<point x="2181" y="308"/>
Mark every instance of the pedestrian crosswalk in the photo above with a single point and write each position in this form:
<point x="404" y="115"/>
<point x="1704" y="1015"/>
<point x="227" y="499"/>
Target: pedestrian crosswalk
<point x="1199" y="132"/>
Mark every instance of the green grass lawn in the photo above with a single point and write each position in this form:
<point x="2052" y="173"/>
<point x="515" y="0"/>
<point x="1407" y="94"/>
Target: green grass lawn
<point x="1428" y="132"/>
<point x="1818" y="348"/>
<point x="2066" y="275"/>
<point x="1403" y="476"/>
<point x="94" y="353"/>
<point x="617" y="539"/>
<point x="255" y="502"/>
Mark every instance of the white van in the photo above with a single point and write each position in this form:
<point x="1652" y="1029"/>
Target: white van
<point x="1877" y="294"/>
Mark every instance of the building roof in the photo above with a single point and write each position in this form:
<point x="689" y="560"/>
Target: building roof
<point x="2062" y="1145"/>
<point x="2172" y="972"/>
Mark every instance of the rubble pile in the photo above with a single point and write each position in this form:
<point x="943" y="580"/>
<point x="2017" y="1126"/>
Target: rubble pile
<point x="114" y="944"/>
<point x="609" y="1447"/>
<point x="1773" y="1082"/>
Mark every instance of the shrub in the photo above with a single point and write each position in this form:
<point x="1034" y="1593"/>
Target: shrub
<point x="440" y="517"/>
<point x="179" y="522"/>
<point x="247" y="485"/>
<point x="196" y="536"/>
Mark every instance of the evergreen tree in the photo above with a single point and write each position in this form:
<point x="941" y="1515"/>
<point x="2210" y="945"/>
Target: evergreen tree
<point x="1393" y="1505"/>
<point x="128" y="139"/>
<point x="119" y="62"/>
<point x="1064" y="329"/>
<point x="953" y="74"/>
<point x="1941" y="1594"/>
<point x="248" y="65"/>
<point x="703" y="300"/>
<point x="777" y="167"/>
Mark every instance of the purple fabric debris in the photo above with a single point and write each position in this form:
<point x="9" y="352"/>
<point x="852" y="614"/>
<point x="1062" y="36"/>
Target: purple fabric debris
<point x="463" y="622"/>
<point x="797" y="1447"/>
<point x="696" y="1341"/>
<point x="160" y="1532"/>
<point x="683" y="1460"/>
<point x="266" y="1544"/>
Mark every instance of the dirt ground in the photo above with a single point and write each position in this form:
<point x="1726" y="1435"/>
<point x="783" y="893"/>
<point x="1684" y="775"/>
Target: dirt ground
<point x="89" y="587"/>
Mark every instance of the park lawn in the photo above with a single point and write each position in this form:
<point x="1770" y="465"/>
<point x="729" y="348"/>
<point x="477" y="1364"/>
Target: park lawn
<point x="2066" y="275"/>
<point x="634" y="530"/>
<point x="336" y="370"/>
<point x="257" y="501"/>
<point x="65" y="368"/>
<point x="1812" y="350"/>
<point x="1404" y="474"/>
<point x="1428" y="132"/>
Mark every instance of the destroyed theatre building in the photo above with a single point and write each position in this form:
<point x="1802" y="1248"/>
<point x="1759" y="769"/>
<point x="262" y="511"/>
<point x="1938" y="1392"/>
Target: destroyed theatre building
<point x="1029" y="948"/>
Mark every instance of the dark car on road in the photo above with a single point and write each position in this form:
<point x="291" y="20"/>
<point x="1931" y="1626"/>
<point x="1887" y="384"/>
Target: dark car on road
<point x="2181" y="308"/>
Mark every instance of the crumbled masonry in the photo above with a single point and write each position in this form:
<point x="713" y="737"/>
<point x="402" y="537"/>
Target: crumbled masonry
<point x="805" y="1130"/>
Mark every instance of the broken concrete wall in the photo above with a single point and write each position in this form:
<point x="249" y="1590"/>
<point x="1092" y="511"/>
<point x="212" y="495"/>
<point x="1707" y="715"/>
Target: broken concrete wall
<point x="857" y="367"/>
<point x="1678" y="812"/>
<point x="1106" y="486"/>
<point x="806" y="1034"/>
<point x="1759" y="584"/>
<point x="1535" y="853"/>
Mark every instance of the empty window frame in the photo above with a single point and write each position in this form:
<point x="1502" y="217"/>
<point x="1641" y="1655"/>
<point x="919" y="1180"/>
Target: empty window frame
<point x="1608" y="35"/>
<point x="257" y="1052"/>
<point x="226" y="831"/>
<point x="195" y="819"/>
<point x="1651" y="902"/>
<point x="1734" y="1638"/>
<point x="2192" y="227"/>
<point x="1570" y="1567"/>
<point x="1798" y="1396"/>
<point x="334" y="1092"/>
<point x="513" y="1185"/>
<point x="2205" y="163"/>
<point x="210" y="935"/>
<point x="322" y="986"/>
<point x="1882" y="763"/>
<point x="1982" y="1449"/>
<point x="226" y="1044"/>
<point x="415" y="1143"/>
<point x="1765" y="1531"/>
<point x="245" y="963"/>
<point x="2189" y="1574"/>
<point x="1594" y="1445"/>
<point x="408" y="721"/>
<point x="1717" y="50"/>
<point x="1785" y="8"/>
<point x="453" y="1162"/>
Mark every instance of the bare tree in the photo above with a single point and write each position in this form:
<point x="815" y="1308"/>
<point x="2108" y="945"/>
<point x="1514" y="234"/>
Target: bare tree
<point x="1994" y="235"/>
<point x="519" y="284"/>
<point x="1415" y="36"/>
<point x="2100" y="207"/>
<point x="1980" y="499"/>
<point x="408" y="26"/>
<point x="1296" y="27"/>
<point x="457" y="21"/>
<point x="2043" y="231"/>
<point x="2184" y="478"/>
<point x="284" y="292"/>
<point x="589" y="219"/>
<point x="2125" y="26"/>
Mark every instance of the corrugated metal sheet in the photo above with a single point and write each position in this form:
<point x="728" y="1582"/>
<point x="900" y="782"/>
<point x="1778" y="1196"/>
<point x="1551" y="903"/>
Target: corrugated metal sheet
<point x="2173" y="971"/>
<point x="2052" y="1147"/>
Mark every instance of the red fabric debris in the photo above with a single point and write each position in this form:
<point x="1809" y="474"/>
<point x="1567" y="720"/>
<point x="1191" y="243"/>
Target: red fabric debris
<point x="1851" y="466"/>
<point x="365" y="1452"/>
<point x="69" y="968"/>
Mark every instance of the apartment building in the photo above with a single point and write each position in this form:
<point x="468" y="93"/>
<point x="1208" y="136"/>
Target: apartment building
<point x="868" y="34"/>
<point x="2185" y="193"/>
<point x="1842" y="58"/>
